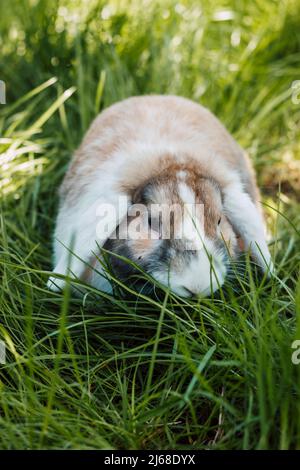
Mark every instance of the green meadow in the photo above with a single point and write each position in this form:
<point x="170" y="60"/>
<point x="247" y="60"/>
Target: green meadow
<point x="130" y="370"/>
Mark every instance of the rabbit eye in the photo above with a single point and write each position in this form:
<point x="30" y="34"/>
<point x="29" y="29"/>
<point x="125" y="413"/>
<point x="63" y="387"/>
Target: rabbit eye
<point x="155" y="223"/>
<point x="219" y="221"/>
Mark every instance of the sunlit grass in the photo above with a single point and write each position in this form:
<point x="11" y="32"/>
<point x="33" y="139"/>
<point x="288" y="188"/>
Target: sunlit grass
<point x="133" y="370"/>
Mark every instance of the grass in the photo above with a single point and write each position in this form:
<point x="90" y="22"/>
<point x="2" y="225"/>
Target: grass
<point x="132" y="371"/>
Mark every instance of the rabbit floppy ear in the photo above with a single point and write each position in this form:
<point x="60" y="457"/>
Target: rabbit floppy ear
<point x="247" y="221"/>
<point x="87" y="233"/>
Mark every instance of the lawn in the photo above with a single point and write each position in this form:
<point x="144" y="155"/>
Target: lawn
<point x="132" y="371"/>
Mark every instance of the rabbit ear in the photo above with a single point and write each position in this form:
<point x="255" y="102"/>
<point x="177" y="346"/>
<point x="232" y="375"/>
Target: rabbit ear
<point x="247" y="221"/>
<point x="81" y="236"/>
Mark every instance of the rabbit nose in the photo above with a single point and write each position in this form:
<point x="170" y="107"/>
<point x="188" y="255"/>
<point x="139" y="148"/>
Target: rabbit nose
<point x="189" y="291"/>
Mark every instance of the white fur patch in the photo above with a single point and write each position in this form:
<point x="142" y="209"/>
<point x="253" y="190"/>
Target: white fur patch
<point x="204" y="274"/>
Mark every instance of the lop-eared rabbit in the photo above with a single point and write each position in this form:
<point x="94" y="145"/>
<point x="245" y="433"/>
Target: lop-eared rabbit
<point x="158" y="151"/>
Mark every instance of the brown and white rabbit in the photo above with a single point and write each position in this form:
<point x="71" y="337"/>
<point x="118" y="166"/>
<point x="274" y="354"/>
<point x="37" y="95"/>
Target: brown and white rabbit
<point x="158" y="150"/>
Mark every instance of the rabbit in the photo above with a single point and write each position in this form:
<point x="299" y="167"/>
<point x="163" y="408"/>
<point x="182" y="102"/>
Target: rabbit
<point x="158" y="150"/>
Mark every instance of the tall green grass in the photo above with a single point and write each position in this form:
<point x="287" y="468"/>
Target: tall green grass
<point x="135" y="371"/>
